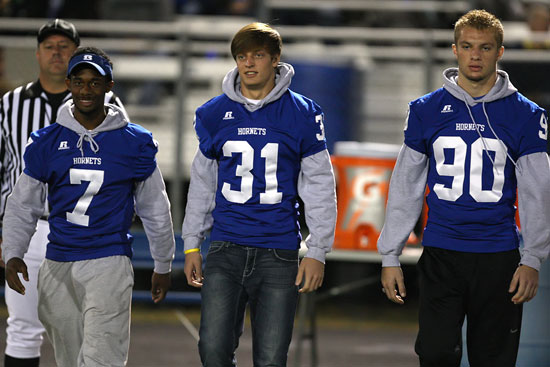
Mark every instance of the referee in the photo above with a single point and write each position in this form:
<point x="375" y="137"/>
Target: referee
<point x="23" y="110"/>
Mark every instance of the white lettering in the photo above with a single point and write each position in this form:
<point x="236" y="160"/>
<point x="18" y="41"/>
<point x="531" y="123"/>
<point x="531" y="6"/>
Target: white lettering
<point x="251" y="131"/>
<point x="87" y="160"/>
<point x="469" y="126"/>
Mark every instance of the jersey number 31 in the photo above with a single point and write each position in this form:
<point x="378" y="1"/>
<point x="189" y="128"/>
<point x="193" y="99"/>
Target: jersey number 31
<point x="270" y="153"/>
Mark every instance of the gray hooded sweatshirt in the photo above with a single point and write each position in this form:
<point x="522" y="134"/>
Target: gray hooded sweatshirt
<point x="409" y="177"/>
<point x="316" y="185"/>
<point x="26" y="203"/>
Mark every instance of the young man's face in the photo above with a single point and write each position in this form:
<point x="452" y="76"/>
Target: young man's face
<point x="53" y="55"/>
<point x="477" y="54"/>
<point x="88" y="89"/>
<point x="257" y="70"/>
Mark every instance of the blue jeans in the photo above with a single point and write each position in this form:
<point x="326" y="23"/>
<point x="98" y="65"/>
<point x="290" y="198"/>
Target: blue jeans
<point x="235" y="275"/>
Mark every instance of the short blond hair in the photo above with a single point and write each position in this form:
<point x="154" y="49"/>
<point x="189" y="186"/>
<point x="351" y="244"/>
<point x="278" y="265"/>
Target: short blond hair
<point x="480" y="20"/>
<point x="256" y="35"/>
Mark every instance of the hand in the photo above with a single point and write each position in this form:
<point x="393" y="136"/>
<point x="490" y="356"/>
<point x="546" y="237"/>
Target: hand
<point x="311" y="272"/>
<point x="526" y="282"/>
<point x="392" y="276"/>
<point x="160" y="283"/>
<point x="193" y="269"/>
<point x="15" y="266"/>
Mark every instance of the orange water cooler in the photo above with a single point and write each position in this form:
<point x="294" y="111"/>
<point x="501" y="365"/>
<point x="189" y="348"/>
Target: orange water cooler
<point x="363" y="172"/>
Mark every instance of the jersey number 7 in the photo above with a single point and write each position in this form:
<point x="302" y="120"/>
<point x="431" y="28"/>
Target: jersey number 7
<point x="95" y="177"/>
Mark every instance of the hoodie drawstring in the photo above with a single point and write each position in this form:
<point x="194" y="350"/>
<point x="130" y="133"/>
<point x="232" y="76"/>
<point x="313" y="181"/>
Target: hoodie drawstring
<point x="90" y="137"/>
<point x="494" y="133"/>
<point x="499" y="140"/>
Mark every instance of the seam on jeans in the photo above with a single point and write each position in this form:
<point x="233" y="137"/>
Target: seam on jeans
<point x="215" y="247"/>
<point x="276" y="254"/>
<point x="246" y="273"/>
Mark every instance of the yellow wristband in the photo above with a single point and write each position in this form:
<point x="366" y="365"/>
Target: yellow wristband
<point x="191" y="250"/>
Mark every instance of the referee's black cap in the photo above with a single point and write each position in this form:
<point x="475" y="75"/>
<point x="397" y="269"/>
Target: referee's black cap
<point x="59" y="26"/>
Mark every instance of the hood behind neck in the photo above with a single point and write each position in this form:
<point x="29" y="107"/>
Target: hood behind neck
<point x="113" y="120"/>
<point x="502" y="88"/>
<point x="231" y="86"/>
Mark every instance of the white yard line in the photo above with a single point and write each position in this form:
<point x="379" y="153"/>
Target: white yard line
<point x="188" y="325"/>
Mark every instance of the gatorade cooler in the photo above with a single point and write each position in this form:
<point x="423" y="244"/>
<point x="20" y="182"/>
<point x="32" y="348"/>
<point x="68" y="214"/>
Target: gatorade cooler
<point x="363" y="172"/>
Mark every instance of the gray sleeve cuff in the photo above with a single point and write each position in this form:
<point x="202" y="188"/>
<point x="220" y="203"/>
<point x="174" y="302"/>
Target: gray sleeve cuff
<point x="191" y="242"/>
<point x="162" y="267"/>
<point x="390" y="260"/>
<point x="316" y="253"/>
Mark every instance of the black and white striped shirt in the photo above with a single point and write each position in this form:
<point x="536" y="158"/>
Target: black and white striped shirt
<point x="23" y="110"/>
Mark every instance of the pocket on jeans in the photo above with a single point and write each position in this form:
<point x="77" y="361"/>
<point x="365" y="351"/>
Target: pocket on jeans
<point x="215" y="246"/>
<point x="286" y="255"/>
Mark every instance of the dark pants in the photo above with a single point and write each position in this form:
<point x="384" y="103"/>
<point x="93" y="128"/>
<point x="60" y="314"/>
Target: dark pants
<point x="454" y="284"/>
<point x="264" y="278"/>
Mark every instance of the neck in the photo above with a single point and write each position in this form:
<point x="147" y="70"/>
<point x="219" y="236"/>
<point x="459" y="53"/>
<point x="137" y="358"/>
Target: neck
<point x="477" y="88"/>
<point x="53" y="84"/>
<point x="260" y="93"/>
<point x="90" y="120"/>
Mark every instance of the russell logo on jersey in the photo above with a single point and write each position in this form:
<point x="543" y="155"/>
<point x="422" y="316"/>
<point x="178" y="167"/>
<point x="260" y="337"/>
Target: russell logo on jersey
<point x="447" y="108"/>
<point x="228" y="115"/>
<point x="63" y="145"/>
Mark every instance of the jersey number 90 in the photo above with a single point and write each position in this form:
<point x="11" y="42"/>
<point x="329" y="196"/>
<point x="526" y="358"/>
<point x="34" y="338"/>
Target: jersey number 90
<point x="457" y="168"/>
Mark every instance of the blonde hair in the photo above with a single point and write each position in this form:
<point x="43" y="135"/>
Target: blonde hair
<point x="480" y="20"/>
<point x="256" y="35"/>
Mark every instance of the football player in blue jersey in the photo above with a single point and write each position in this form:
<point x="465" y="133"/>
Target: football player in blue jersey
<point x="261" y="146"/>
<point x="475" y="143"/>
<point x="96" y="168"/>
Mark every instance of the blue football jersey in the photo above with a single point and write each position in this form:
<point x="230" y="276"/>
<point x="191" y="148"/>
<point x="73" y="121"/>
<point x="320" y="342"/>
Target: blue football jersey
<point x="259" y="155"/>
<point x="472" y="181"/>
<point x="90" y="194"/>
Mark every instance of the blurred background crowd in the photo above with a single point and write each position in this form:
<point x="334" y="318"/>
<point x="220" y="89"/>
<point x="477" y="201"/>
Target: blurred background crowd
<point x="330" y="14"/>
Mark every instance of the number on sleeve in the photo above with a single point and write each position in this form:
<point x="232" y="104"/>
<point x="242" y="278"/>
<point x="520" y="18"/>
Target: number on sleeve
<point x="95" y="177"/>
<point x="319" y="120"/>
<point x="544" y="125"/>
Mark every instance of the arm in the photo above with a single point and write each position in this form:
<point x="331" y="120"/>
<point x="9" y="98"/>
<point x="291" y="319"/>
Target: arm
<point x="24" y="207"/>
<point x="201" y="200"/>
<point x="153" y="208"/>
<point x="406" y="196"/>
<point x="316" y="187"/>
<point x="533" y="177"/>
<point x="2" y="173"/>
<point x="4" y="157"/>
